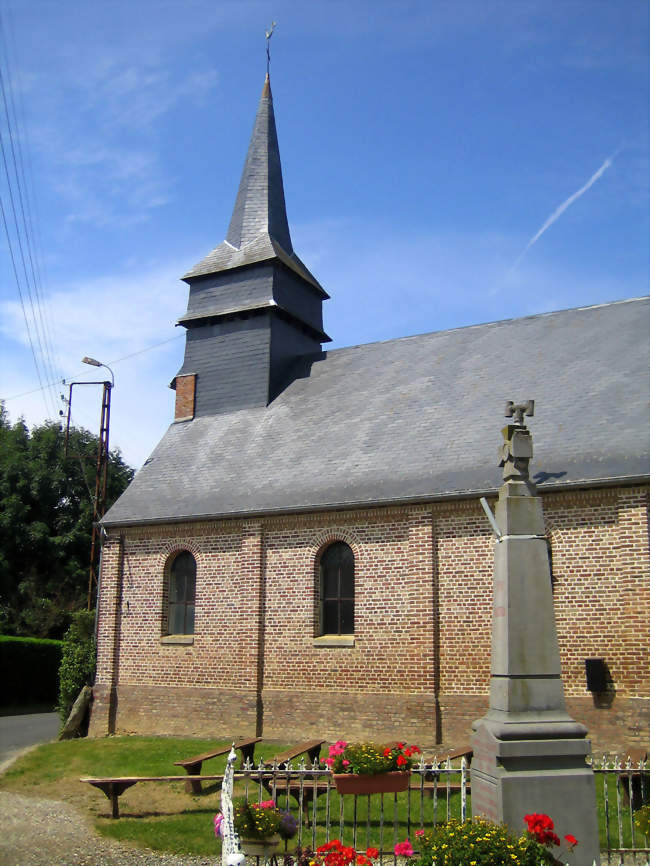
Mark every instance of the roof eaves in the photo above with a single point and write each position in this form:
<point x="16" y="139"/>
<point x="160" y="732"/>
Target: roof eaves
<point x="265" y="305"/>
<point x="447" y="496"/>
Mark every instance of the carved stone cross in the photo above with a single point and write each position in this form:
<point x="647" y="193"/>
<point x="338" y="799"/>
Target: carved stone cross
<point x="518" y="410"/>
<point x="517" y="449"/>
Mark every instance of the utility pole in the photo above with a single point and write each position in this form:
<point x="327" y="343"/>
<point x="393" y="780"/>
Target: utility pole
<point x="101" y="468"/>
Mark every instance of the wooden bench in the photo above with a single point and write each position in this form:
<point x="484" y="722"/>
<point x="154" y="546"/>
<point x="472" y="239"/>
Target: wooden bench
<point x="310" y="789"/>
<point x="432" y="780"/>
<point x="311" y="748"/>
<point x="192" y="766"/>
<point x="463" y="752"/>
<point x="115" y="787"/>
<point x="633" y="785"/>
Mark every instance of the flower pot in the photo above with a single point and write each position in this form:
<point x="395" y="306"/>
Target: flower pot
<point x="377" y="783"/>
<point x="261" y="847"/>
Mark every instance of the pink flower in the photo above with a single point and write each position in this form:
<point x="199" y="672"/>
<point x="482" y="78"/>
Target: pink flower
<point x="346" y="763"/>
<point x="404" y="849"/>
<point x="267" y="804"/>
<point x="419" y="832"/>
<point x="218" y="822"/>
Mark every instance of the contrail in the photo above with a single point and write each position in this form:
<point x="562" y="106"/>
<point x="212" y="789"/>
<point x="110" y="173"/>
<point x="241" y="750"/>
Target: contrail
<point x="557" y="213"/>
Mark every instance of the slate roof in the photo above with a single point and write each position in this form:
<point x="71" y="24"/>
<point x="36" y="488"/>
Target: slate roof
<point x="417" y="419"/>
<point x="258" y="229"/>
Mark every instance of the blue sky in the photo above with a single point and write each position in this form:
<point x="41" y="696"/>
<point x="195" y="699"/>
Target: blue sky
<point x="424" y="146"/>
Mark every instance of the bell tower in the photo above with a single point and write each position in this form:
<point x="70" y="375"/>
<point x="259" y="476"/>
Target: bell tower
<point x="254" y="309"/>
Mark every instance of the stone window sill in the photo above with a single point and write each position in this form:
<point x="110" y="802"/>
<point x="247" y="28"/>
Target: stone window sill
<point x="334" y="640"/>
<point x="177" y="639"/>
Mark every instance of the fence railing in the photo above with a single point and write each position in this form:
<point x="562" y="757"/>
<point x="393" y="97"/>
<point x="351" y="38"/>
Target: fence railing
<point x="437" y="792"/>
<point x="622" y="788"/>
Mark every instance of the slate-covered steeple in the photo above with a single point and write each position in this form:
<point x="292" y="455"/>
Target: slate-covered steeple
<point x="260" y="203"/>
<point x="254" y="308"/>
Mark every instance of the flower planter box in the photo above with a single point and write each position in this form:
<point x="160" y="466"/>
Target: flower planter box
<point x="261" y="847"/>
<point x="379" y="783"/>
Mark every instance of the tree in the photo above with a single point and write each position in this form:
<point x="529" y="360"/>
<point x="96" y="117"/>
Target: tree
<point x="46" y="509"/>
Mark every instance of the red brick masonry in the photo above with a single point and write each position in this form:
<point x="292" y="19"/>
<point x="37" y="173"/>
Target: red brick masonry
<point x="419" y="666"/>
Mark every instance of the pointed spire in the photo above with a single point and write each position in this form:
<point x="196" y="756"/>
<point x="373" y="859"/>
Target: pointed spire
<point x="260" y="206"/>
<point x="259" y="229"/>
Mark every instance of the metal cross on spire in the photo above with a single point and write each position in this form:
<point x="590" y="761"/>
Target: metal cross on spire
<point x="269" y="33"/>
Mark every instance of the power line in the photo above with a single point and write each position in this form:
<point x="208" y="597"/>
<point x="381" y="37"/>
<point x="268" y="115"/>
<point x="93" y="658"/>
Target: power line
<point x="115" y="361"/>
<point x="23" y="228"/>
<point x="22" y="258"/>
<point x="28" y="185"/>
<point x="22" y="304"/>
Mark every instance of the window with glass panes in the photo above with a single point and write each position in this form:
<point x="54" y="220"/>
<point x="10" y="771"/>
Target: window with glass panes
<point x="182" y="589"/>
<point x="337" y="589"/>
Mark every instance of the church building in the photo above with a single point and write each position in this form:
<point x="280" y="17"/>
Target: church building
<point x="305" y="554"/>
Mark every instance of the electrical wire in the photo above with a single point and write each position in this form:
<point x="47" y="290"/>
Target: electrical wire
<point x="110" y="364"/>
<point x="30" y="222"/>
<point x="22" y="304"/>
<point x="30" y="293"/>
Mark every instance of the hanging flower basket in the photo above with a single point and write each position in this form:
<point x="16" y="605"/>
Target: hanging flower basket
<point x="367" y="768"/>
<point x="261" y="847"/>
<point x="376" y="783"/>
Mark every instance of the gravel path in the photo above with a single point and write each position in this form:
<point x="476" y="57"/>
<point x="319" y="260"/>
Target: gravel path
<point x="37" y="832"/>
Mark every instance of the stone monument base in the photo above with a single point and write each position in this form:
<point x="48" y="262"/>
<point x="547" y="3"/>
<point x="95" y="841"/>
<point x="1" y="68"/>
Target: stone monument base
<point x="517" y="770"/>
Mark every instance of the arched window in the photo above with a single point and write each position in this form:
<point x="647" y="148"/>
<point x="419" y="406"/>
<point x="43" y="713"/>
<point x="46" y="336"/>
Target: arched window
<point x="182" y="590"/>
<point x="337" y="589"/>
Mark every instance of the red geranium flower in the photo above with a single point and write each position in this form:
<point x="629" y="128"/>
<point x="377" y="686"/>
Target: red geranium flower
<point x="571" y="840"/>
<point x="541" y="827"/>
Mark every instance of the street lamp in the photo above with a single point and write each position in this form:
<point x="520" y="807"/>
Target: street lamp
<point x="94" y="363"/>
<point x="101" y="472"/>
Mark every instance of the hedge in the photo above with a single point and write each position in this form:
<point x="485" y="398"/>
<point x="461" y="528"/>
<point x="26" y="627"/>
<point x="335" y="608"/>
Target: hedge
<point x="30" y="670"/>
<point x="77" y="661"/>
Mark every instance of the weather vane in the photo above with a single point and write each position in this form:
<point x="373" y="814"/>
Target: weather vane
<point x="269" y="33"/>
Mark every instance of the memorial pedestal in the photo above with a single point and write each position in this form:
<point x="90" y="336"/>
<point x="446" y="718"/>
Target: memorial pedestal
<point x="529" y="754"/>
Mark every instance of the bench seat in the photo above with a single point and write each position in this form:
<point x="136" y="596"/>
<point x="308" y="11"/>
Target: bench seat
<point x="192" y="766"/>
<point x="116" y="786"/>
<point x="311" y="748"/>
<point x="636" y="783"/>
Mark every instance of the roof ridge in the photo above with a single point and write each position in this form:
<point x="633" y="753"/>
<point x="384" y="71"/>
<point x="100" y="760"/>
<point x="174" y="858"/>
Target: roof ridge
<point x="488" y="324"/>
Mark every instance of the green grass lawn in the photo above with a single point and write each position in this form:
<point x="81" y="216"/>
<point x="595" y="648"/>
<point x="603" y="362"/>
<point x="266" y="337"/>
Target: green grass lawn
<point x="163" y="817"/>
<point x="623" y="833"/>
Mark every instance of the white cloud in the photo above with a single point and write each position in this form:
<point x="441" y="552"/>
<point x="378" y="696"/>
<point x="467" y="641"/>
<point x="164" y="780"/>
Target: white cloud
<point x="106" y="318"/>
<point x="105" y="162"/>
<point x="383" y="286"/>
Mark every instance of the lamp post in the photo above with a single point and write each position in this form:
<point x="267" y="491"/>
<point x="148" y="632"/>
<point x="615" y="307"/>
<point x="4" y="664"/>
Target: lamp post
<point x="101" y="473"/>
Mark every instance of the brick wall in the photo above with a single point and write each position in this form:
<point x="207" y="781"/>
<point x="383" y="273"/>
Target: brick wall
<point x="185" y="393"/>
<point x="419" y="666"/>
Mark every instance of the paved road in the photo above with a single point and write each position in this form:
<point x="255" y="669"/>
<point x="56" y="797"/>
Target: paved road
<point x="19" y="732"/>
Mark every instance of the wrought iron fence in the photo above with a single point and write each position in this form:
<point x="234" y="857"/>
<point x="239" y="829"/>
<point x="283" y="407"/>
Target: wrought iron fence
<point x="622" y="789"/>
<point x="437" y="792"/>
